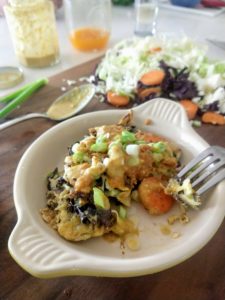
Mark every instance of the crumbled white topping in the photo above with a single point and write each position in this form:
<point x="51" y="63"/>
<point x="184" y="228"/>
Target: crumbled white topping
<point x="74" y="147"/>
<point x="183" y="192"/>
<point x="132" y="149"/>
<point x="63" y="88"/>
<point x="71" y="82"/>
<point x="106" y="161"/>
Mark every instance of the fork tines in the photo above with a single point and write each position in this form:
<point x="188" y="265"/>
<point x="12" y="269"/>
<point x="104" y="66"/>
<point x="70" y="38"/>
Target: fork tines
<point x="205" y="170"/>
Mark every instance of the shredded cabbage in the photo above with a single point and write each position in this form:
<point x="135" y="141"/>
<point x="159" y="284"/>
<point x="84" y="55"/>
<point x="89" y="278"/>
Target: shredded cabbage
<point x="124" y="65"/>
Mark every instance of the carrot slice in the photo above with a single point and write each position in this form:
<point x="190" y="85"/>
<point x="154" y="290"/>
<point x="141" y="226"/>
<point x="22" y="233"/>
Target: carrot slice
<point x="154" y="77"/>
<point x="152" y="196"/>
<point x="147" y="92"/>
<point x="152" y="138"/>
<point x="213" y="118"/>
<point x="190" y="107"/>
<point x="156" y="49"/>
<point x="117" y="100"/>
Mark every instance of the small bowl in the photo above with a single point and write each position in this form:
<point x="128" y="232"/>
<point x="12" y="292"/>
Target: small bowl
<point x="43" y="253"/>
<point x="186" y="3"/>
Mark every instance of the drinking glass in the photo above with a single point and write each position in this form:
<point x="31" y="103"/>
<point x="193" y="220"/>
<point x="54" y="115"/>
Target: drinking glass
<point x="146" y="17"/>
<point x="89" y="23"/>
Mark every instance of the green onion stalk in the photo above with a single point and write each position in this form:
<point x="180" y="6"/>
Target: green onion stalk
<point x="20" y="96"/>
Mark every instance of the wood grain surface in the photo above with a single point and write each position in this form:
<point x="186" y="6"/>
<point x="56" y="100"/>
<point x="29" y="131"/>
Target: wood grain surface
<point x="201" y="277"/>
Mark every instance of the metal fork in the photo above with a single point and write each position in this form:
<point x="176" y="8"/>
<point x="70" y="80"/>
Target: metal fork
<point x="205" y="170"/>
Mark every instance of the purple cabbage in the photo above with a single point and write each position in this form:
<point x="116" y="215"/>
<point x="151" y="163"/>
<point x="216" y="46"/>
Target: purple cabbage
<point x="176" y="84"/>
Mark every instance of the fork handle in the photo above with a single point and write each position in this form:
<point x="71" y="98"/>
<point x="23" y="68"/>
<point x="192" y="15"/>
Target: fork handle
<point x="21" y="119"/>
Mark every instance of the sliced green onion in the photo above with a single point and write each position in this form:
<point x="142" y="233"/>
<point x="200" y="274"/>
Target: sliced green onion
<point x="101" y="139"/>
<point x="115" y="143"/>
<point x="140" y="142"/>
<point x="21" y="97"/>
<point x="13" y="95"/>
<point x="99" y="147"/>
<point x="157" y="157"/>
<point x="112" y="193"/>
<point x="196" y="123"/>
<point x="127" y="137"/>
<point x="122" y="212"/>
<point x="78" y="157"/>
<point x="158" y="147"/>
<point x="203" y="70"/>
<point x="133" y="161"/>
<point x="100" y="199"/>
<point x="219" y="68"/>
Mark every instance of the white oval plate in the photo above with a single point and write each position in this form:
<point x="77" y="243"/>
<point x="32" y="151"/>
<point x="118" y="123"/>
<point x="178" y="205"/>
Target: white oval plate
<point x="42" y="252"/>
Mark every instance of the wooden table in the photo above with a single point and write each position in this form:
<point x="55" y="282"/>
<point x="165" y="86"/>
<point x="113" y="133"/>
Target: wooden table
<point x="201" y="277"/>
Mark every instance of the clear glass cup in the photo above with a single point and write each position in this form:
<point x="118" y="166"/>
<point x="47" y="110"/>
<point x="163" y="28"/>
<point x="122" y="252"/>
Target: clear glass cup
<point x="146" y="17"/>
<point x="33" y="32"/>
<point x="89" y="23"/>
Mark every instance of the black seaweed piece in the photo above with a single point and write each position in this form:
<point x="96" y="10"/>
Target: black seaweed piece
<point x="91" y="209"/>
<point x="200" y="112"/>
<point x="72" y="207"/>
<point x="51" y="205"/>
<point x="53" y="174"/>
<point x="85" y="220"/>
<point x="49" y="186"/>
<point x="114" y="200"/>
<point x="84" y="196"/>
<point x="99" y="182"/>
<point x="89" y="214"/>
<point x="93" y="132"/>
<point x="85" y="211"/>
<point x="50" y="196"/>
<point x="131" y="128"/>
<point x="60" y="182"/>
<point x="106" y="218"/>
<point x="70" y="152"/>
<point x="84" y="207"/>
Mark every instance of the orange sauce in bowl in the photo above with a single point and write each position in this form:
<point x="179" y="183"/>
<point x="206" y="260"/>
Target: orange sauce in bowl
<point x="89" y="39"/>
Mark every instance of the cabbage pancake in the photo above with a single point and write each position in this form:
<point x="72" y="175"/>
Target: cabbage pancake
<point x="103" y="173"/>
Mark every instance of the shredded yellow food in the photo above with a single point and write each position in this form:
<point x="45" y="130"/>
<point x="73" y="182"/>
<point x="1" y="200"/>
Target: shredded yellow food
<point x="90" y="197"/>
